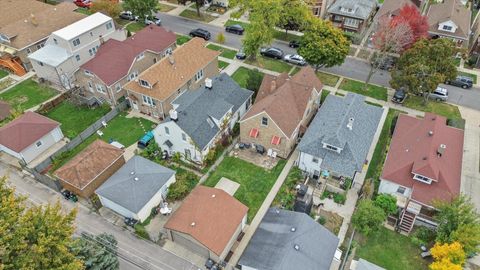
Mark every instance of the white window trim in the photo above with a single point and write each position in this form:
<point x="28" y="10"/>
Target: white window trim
<point x="144" y="83"/>
<point x="148" y="101"/>
<point x="140" y="56"/>
<point x="404" y="190"/>
<point x="118" y="87"/>
<point x="100" y="88"/>
<point x="261" y="122"/>
<point x="199" y="75"/>
<point x="73" y="42"/>
<point x="88" y="73"/>
<point x="41" y="143"/>
<point x="351" y="22"/>
<point x="422" y="178"/>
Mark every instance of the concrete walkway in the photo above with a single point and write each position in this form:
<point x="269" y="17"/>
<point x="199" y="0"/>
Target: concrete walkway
<point x="236" y="64"/>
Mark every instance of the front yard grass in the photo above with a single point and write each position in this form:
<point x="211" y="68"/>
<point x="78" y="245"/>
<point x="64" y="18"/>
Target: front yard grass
<point x="328" y="79"/>
<point x="227" y="53"/>
<point x="466" y="74"/>
<point x="164" y="8"/>
<point x="27" y="94"/>
<point x="181" y="39"/>
<point x="192" y="14"/>
<point x="373" y="91"/>
<point x="241" y="76"/>
<point x="255" y="182"/>
<point x="270" y="64"/>
<point x="391" y="251"/>
<point x="280" y="35"/>
<point x="75" y="119"/>
<point x="440" y="108"/>
<point x="135" y="27"/>
<point x="3" y="73"/>
<point x="222" y="65"/>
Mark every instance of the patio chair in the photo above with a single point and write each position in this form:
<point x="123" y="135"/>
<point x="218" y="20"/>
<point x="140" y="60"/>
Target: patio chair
<point x="100" y="133"/>
<point x="269" y="152"/>
<point x="274" y="154"/>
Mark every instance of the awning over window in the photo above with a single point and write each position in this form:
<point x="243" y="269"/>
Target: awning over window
<point x="254" y="133"/>
<point x="275" y="140"/>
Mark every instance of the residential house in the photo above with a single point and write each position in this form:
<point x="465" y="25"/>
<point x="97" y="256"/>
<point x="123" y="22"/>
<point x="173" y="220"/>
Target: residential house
<point x="391" y="8"/>
<point x="287" y="240"/>
<point x="474" y="43"/>
<point x="118" y="62"/>
<point x="282" y="110"/>
<point x="352" y="15"/>
<point x="200" y="117"/>
<point x="424" y="164"/>
<point x="207" y="223"/>
<point x="90" y="168"/>
<point x="24" y="27"/>
<point x="72" y="46"/>
<point x="221" y="3"/>
<point x="136" y="188"/>
<point x="319" y="7"/>
<point x="29" y="135"/>
<point x="153" y="91"/>
<point x="450" y="19"/>
<point x="5" y="110"/>
<point x="339" y="137"/>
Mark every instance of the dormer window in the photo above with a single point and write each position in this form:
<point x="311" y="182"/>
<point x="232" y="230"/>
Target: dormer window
<point x="88" y="73"/>
<point x="140" y="56"/>
<point x="422" y="178"/>
<point x="148" y="101"/>
<point x="329" y="147"/>
<point x="447" y="28"/>
<point x="145" y="84"/>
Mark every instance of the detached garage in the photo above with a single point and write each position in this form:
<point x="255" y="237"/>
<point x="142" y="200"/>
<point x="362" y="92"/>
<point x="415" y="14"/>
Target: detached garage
<point x="136" y="188"/>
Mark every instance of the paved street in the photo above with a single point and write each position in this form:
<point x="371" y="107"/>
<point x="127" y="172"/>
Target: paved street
<point x="134" y="253"/>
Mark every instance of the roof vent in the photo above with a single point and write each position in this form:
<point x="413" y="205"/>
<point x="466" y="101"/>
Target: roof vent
<point x="132" y="173"/>
<point x="350" y="123"/>
<point x="136" y="179"/>
<point x="296" y="247"/>
<point x="208" y="83"/>
<point x="424" y="158"/>
<point x="277" y="211"/>
<point x="293" y="229"/>
<point x="192" y="224"/>
<point x="213" y="195"/>
<point x="430" y="133"/>
<point x="441" y="150"/>
<point x="173" y="115"/>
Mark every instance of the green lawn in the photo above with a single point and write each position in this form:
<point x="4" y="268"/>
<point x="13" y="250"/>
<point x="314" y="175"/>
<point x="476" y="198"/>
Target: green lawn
<point x="473" y="76"/>
<point x="227" y="53"/>
<point x="324" y="95"/>
<point x="270" y="64"/>
<point x="164" y="8"/>
<point x="222" y="65"/>
<point x="75" y="119"/>
<point x="328" y="79"/>
<point x="241" y="76"/>
<point x="27" y="94"/>
<point x="192" y="14"/>
<point x="277" y="34"/>
<point x="181" y="39"/>
<point x="135" y="27"/>
<point x="255" y="182"/>
<point x="391" y="251"/>
<point x="85" y="11"/>
<point x="3" y="73"/>
<point x="373" y="91"/>
<point x="440" y="108"/>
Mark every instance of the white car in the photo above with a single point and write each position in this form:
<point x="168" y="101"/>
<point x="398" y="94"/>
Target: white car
<point x="295" y="59"/>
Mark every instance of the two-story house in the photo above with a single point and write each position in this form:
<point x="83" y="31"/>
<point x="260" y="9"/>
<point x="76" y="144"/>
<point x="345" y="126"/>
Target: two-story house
<point x="72" y="46"/>
<point x="352" y="15"/>
<point x="450" y="19"/>
<point x="391" y="8"/>
<point x="153" y="91"/>
<point x="339" y="137"/>
<point x="201" y="116"/>
<point x="282" y="110"/>
<point x="118" y="62"/>
<point x="424" y="164"/>
<point x="25" y="26"/>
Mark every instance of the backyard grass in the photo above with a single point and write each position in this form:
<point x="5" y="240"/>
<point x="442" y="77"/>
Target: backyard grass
<point x="181" y="39"/>
<point x="3" y="73"/>
<point x="391" y="251"/>
<point x="473" y="76"/>
<point x="192" y="14"/>
<point x="85" y="11"/>
<point x="135" y="27"/>
<point x="270" y="64"/>
<point x="27" y="94"/>
<point x="440" y="108"/>
<point x="324" y="95"/>
<point x="222" y="65"/>
<point x="328" y="79"/>
<point x="277" y="34"/>
<point x="164" y="8"/>
<point x="241" y="76"/>
<point x="75" y="119"/>
<point x="255" y="182"/>
<point x="227" y="53"/>
<point x="376" y="92"/>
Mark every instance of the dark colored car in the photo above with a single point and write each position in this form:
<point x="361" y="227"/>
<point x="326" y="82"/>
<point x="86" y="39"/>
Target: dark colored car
<point x="387" y="63"/>
<point x="241" y="54"/>
<point x="236" y="29"/>
<point x="461" y="81"/>
<point x="294" y="44"/>
<point x="83" y="3"/>
<point x="399" y="96"/>
<point x="130" y="221"/>
<point x="199" y="32"/>
<point x="272" y="52"/>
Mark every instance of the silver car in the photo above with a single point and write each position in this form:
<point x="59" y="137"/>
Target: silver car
<point x="440" y="94"/>
<point x="295" y="59"/>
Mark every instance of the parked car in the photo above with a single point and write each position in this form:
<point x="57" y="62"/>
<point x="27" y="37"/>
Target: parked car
<point x="272" y="52"/>
<point x="295" y="59"/>
<point x="153" y="20"/>
<point x="440" y="94"/>
<point x="130" y="221"/>
<point x="461" y="81"/>
<point x="241" y="54"/>
<point x="199" y="32"/>
<point x="399" y="96"/>
<point x="387" y="64"/>
<point x="128" y="15"/>
<point x="235" y="29"/>
<point x="294" y="44"/>
<point x="145" y="140"/>
<point x="83" y="3"/>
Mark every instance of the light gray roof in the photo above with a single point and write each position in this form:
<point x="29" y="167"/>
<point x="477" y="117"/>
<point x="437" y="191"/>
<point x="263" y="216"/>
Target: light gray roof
<point x="361" y="8"/>
<point x="196" y="106"/>
<point x="330" y="126"/>
<point x="51" y="55"/>
<point x="366" y="265"/>
<point x="133" y="190"/>
<point x="272" y="247"/>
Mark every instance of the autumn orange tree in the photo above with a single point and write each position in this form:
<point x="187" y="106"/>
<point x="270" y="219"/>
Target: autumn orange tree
<point x="447" y="256"/>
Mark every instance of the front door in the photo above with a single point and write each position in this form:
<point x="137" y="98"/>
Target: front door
<point x="134" y="105"/>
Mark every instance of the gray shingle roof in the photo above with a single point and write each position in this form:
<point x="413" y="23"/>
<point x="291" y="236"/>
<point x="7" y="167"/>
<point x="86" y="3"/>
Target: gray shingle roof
<point x="272" y="245"/>
<point x="123" y="189"/>
<point x="196" y="106"/>
<point x="366" y="265"/>
<point x="330" y="126"/>
<point x="361" y="8"/>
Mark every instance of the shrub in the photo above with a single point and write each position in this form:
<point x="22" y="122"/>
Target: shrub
<point x="210" y="158"/>
<point x="322" y="220"/>
<point x="184" y="183"/>
<point x="456" y="122"/>
<point x="387" y="202"/>
<point x="423" y="236"/>
<point x="220" y="38"/>
<point x="339" y="198"/>
<point x="141" y="231"/>
<point x="368" y="218"/>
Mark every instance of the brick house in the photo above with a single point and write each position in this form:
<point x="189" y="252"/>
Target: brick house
<point x="282" y="110"/>
<point x="319" y="7"/>
<point x="153" y="91"/>
<point x="83" y="174"/>
<point x="118" y="62"/>
<point x="352" y="15"/>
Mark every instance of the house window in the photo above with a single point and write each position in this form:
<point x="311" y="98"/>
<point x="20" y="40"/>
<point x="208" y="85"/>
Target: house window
<point x="184" y="137"/>
<point x="148" y="100"/>
<point x="109" y="25"/>
<point x="447" y="28"/>
<point x="118" y="87"/>
<point x="169" y="51"/>
<point x="100" y="88"/>
<point x="40" y="63"/>
<point x="329" y="147"/>
<point x="145" y="84"/>
<point x="29" y="51"/>
<point x="88" y="73"/>
<point x="351" y="22"/>
<point x="401" y="190"/>
<point x="140" y="56"/>
<point x="55" y="41"/>
<point x="155" y="60"/>
<point x="90" y="86"/>
<point x="199" y="75"/>
<point x="264" y="121"/>
<point x="77" y="57"/>
<point x="90" y="52"/>
<point x="316" y="11"/>
<point x="39" y="46"/>
<point x="167" y="131"/>
<point x="422" y="179"/>
<point x="314" y="160"/>
<point x="76" y="42"/>
<point x="38" y="144"/>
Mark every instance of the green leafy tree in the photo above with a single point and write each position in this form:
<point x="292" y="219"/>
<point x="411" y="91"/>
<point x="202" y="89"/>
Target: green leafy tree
<point x="425" y="65"/>
<point x="38" y="237"/>
<point x="387" y="202"/>
<point x="98" y="252"/>
<point x="323" y="45"/>
<point x="368" y="217"/>
<point x="141" y="8"/>
<point x="108" y="7"/>
<point x="198" y="4"/>
<point x="293" y="15"/>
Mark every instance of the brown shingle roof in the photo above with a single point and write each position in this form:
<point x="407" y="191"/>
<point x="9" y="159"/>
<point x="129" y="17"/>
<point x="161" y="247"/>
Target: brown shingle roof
<point x="17" y="23"/>
<point x="449" y="10"/>
<point x="215" y="215"/>
<point x="167" y="78"/>
<point x="5" y="110"/>
<point x="392" y="7"/>
<point x="25" y="130"/>
<point x="89" y="164"/>
<point x="285" y="99"/>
